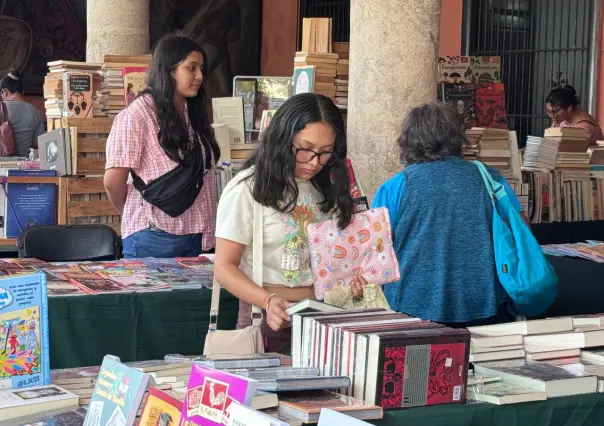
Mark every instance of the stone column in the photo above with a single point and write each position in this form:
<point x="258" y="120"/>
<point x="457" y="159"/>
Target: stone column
<point x="393" y="64"/>
<point x="116" y="27"/>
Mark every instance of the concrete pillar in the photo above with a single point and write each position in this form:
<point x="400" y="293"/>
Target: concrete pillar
<point x="393" y="64"/>
<point x="116" y="27"/>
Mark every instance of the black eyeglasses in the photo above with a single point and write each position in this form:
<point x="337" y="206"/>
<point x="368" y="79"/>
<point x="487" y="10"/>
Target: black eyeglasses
<point x="307" y="155"/>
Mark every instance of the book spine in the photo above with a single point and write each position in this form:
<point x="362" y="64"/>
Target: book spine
<point x="44" y="330"/>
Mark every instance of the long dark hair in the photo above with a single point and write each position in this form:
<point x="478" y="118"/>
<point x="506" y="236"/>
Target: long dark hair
<point x="12" y="82"/>
<point x="168" y="53"/>
<point x="274" y="161"/>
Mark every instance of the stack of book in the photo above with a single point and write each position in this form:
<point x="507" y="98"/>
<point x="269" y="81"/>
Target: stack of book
<point x="325" y="70"/>
<point x="596" y="172"/>
<point x="540" y="153"/>
<point x="373" y="348"/>
<point x="495" y="347"/>
<point x="342" y="83"/>
<point x="494" y="148"/>
<point x="316" y="35"/>
<point x="57" y="92"/>
<point x="113" y="94"/>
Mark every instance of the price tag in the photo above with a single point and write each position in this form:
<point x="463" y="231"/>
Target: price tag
<point x="245" y="416"/>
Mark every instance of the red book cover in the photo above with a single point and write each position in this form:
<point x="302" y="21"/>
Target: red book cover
<point x="422" y="367"/>
<point x="490" y="105"/>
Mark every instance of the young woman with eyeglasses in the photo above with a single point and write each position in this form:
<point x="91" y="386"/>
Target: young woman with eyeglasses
<point x="563" y="107"/>
<point x="298" y="175"/>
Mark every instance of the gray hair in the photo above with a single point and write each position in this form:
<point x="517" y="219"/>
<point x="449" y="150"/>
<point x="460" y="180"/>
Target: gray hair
<point x="431" y="132"/>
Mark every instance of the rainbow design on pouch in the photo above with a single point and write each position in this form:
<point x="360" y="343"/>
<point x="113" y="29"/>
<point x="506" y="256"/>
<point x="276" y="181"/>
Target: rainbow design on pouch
<point x="364" y="248"/>
<point x="339" y="252"/>
<point x="364" y="236"/>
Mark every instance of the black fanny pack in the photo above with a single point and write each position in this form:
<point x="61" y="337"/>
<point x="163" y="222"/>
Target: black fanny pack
<point x="174" y="192"/>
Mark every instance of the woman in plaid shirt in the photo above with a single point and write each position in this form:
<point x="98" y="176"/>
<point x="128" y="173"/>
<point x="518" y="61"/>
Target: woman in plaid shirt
<point x="160" y="130"/>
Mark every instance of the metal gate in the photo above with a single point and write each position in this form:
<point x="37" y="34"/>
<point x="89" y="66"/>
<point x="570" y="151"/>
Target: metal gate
<point x="338" y="10"/>
<point x="542" y="44"/>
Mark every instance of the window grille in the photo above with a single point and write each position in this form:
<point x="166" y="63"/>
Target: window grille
<point x="542" y="44"/>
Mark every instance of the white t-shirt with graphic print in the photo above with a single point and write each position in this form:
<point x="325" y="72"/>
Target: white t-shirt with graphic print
<point x="285" y="243"/>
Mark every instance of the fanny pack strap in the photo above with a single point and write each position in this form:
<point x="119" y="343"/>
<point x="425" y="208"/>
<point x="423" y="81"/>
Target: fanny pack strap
<point x="257" y="270"/>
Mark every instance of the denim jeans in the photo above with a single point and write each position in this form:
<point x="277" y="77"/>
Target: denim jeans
<point x="153" y="242"/>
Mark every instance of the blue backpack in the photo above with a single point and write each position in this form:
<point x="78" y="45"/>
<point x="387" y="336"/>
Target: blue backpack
<point x="523" y="271"/>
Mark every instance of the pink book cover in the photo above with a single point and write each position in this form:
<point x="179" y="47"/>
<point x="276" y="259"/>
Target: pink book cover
<point x="210" y="393"/>
<point x="135" y="81"/>
<point x="363" y="248"/>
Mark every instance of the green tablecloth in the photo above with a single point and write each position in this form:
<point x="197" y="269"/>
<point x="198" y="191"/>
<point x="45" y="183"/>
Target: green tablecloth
<point x="136" y="326"/>
<point x="583" y="410"/>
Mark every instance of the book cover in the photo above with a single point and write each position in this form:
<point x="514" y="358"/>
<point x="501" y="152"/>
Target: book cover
<point x="304" y="79"/>
<point x="463" y="97"/>
<point x="53" y="151"/>
<point x="17" y="403"/>
<point x="117" y="396"/>
<point x="29" y="204"/>
<point x="469" y="69"/>
<point x="60" y="417"/>
<point x="418" y="367"/>
<point x="77" y="94"/>
<point x="246" y="89"/>
<point x="490" y="105"/>
<point x="210" y="393"/>
<point x="160" y="409"/>
<point x="135" y="81"/>
<point x="24" y="353"/>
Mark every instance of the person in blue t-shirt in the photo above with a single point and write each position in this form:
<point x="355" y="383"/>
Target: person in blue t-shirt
<point x="441" y="219"/>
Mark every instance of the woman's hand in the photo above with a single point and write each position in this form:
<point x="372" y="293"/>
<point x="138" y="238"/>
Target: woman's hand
<point x="276" y="318"/>
<point x="357" y="285"/>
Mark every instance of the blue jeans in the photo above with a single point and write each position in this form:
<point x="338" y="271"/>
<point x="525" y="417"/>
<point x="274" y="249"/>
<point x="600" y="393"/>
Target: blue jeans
<point x="153" y="242"/>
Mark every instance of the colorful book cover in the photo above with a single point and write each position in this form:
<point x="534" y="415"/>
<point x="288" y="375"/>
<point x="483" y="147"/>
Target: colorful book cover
<point x="490" y="106"/>
<point x="160" y="409"/>
<point x="24" y="353"/>
<point x="77" y="94"/>
<point x="117" y="395"/>
<point x="135" y="81"/>
<point x="210" y="393"/>
<point x="304" y="79"/>
<point x="463" y="97"/>
<point x="469" y="69"/>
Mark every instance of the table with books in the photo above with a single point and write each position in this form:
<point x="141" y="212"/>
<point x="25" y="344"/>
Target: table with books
<point x="404" y="371"/>
<point x="133" y="309"/>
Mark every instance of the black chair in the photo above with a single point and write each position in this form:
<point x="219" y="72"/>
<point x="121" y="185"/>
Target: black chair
<point x="70" y="243"/>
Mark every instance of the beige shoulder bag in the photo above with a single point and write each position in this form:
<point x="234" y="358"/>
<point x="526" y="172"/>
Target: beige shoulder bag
<point x="248" y="340"/>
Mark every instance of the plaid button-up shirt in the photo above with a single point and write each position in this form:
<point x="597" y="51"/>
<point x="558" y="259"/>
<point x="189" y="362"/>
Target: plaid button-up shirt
<point x="133" y="143"/>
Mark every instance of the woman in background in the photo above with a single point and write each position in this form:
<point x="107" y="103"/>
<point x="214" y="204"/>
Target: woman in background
<point x="441" y="217"/>
<point x="25" y="118"/>
<point x="562" y="106"/>
<point x="159" y="131"/>
<point x="299" y="176"/>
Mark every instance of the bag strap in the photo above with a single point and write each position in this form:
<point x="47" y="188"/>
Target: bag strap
<point x="257" y="270"/>
<point x="495" y="189"/>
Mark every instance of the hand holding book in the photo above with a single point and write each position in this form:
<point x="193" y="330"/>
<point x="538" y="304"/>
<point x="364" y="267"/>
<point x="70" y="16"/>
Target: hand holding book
<point x="276" y="317"/>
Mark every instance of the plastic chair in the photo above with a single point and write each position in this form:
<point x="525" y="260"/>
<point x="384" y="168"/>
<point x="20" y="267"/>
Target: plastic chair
<point x="70" y="243"/>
